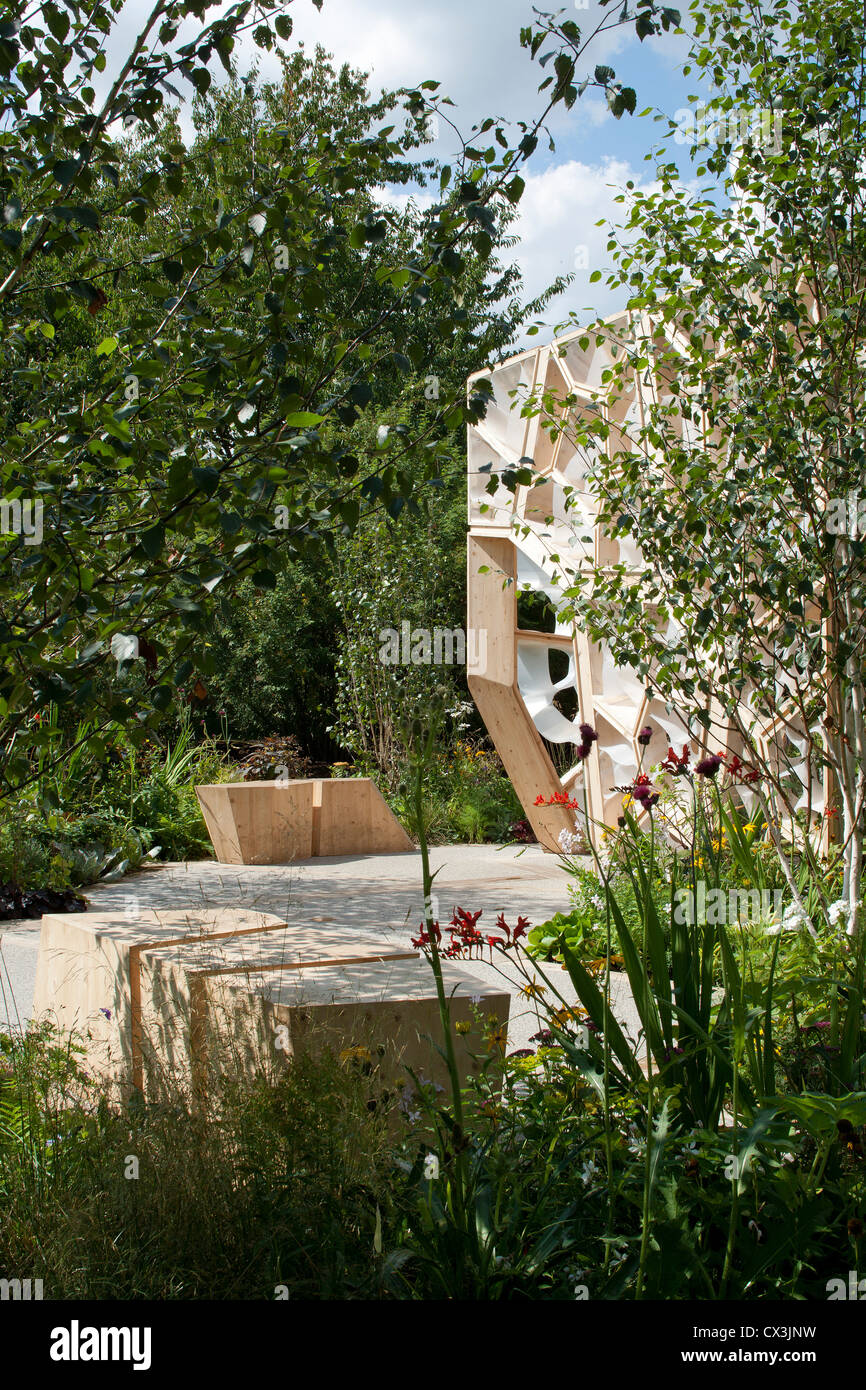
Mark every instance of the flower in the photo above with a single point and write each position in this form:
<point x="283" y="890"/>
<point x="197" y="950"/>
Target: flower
<point x="588" y="1172"/>
<point x="431" y="1168"/>
<point x="708" y="767"/>
<point x="461" y="1027"/>
<point x="533" y="990"/>
<point x="569" y="843"/>
<point x="677" y="765"/>
<point x="837" y="911"/>
<point x="427" y="938"/>
<point x="645" y="736"/>
<point x="587" y="733"/>
<point x="740" y="772"/>
<point x="360" y="1055"/>
<point x="107" y="1013"/>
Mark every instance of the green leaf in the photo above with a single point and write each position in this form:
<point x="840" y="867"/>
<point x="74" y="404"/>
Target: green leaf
<point x="152" y="541"/>
<point x="64" y="171"/>
<point x="303" y="419"/>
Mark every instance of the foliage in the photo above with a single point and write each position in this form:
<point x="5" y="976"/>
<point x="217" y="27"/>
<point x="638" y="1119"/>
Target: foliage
<point x="179" y="375"/>
<point x="282" y="1183"/>
<point x="465" y="797"/>
<point x="273" y="758"/>
<point x="736" y="482"/>
<point x="100" y="815"/>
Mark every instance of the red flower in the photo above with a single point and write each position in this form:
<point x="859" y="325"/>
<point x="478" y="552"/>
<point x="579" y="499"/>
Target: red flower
<point x="559" y="799"/>
<point x="427" y="938"/>
<point x="740" y="772"/>
<point x="462" y="918"/>
<point x="677" y="765"/>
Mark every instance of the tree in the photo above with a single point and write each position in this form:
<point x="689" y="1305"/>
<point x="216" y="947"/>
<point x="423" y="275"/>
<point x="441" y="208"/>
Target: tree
<point x="746" y="301"/>
<point x="200" y="437"/>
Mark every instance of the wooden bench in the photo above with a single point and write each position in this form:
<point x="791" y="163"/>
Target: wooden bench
<point x="169" y="999"/>
<point x="280" y="822"/>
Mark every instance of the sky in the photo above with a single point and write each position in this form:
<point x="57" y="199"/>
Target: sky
<point x="472" y="48"/>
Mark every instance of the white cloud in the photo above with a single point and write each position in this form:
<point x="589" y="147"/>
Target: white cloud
<point x="472" y="47"/>
<point x="558" y="235"/>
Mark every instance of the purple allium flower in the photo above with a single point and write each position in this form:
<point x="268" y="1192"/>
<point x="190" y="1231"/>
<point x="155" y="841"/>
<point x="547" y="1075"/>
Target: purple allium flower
<point x="644" y="736"/>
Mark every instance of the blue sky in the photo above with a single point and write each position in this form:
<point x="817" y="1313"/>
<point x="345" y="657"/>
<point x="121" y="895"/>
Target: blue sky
<point x="472" y="48"/>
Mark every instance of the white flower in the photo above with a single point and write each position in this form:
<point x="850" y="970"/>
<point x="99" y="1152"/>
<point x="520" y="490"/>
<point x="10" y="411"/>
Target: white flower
<point x="568" y="843"/>
<point x="836" y="911"/>
<point x="431" y="1168"/>
<point x="793" y="919"/>
<point x="588" y="1172"/>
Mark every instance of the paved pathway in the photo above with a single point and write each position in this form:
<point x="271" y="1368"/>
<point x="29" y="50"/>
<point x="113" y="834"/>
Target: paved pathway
<point x="379" y="894"/>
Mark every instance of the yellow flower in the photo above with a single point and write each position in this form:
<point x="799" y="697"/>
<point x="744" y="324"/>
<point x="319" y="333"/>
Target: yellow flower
<point x="462" y="1028"/>
<point x="562" y="1017"/>
<point x="534" y="990"/>
<point x="356" y="1054"/>
<point x="496" y="1039"/>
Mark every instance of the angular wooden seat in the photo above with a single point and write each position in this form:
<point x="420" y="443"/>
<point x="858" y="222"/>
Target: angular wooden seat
<point x="172" y="997"/>
<point x="280" y="822"/>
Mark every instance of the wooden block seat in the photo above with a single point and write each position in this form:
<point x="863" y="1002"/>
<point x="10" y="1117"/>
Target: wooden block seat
<point x="279" y="822"/>
<point x="166" y="998"/>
